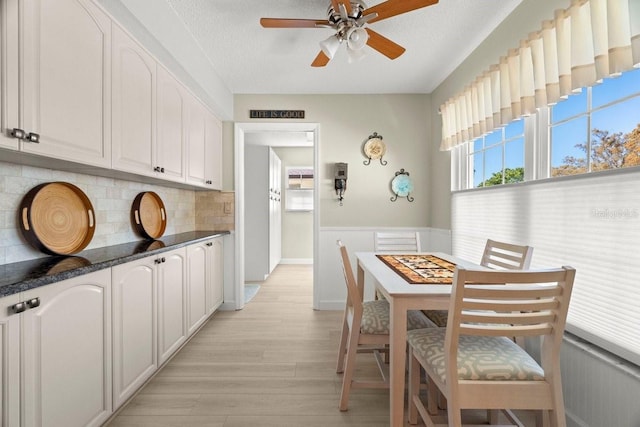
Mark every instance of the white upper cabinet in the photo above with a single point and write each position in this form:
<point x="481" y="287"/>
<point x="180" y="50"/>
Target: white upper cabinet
<point x="213" y="165"/>
<point x="77" y="88"/>
<point x="171" y="122"/>
<point x="204" y="147"/>
<point x="58" y="79"/>
<point x="196" y="143"/>
<point x="9" y="76"/>
<point x="134" y="88"/>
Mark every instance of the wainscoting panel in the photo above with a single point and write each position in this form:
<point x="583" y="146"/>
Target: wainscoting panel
<point x="330" y="293"/>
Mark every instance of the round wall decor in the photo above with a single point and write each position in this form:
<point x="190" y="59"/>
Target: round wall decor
<point x="57" y="218"/>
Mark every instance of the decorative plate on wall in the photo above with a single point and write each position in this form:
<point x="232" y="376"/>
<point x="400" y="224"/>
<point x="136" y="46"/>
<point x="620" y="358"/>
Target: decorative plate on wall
<point x="57" y="218"/>
<point x="148" y="215"/>
<point x="374" y="148"/>
<point x="402" y="186"/>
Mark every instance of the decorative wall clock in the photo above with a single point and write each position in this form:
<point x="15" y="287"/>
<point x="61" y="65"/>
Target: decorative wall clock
<point x="374" y="149"/>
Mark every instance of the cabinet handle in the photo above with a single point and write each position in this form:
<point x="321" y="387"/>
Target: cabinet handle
<point x="18" y="133"/>
<point x="18" y="307"/>
<point x="209" y="243"/>
<point x="33" y="137"/>
<point x="162" y="170"/>
<point x="163" y="259"/>
<point x="21" y="134"/>
<point x="208" y="182"/>
<point x="156" y="169"/>
<point x="33" y="302"/>
<point x="157" y="261"/>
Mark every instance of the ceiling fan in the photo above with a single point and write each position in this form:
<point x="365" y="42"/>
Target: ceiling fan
<point x="348" y="19"/>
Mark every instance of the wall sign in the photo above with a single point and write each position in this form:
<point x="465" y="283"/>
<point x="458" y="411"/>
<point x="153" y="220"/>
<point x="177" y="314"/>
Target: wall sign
<point x="276" y="114"/>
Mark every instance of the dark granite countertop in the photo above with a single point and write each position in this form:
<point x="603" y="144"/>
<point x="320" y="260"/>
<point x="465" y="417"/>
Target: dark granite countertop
<point x="22" y="276"/>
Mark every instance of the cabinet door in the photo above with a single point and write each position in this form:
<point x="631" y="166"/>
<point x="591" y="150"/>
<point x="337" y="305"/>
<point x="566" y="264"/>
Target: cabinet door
<point x="172" y="331"/>
<point x="215" y="270"/>
<point x="196" y="143"/>
<point x="9" y="78"/>
<point x="171" y="121"/>
<point x="213" y="152"/>
<point x="196" y="286"/>
<point x="9" y="362"/>
<point x="67" y="353"/>
<point x="66" y="78"/>
<point x="134" y="326"/>
<point x="134" y="83"/>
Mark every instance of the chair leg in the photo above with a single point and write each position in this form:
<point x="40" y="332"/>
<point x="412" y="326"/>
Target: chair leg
<point x="414" y="387"/>
<point x="454" y="414"/>
<point x="343" y="344"/>
<point x="350" y="362"/>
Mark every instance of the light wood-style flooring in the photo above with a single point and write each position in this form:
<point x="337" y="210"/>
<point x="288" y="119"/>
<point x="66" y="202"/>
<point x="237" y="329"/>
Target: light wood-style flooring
<point x="270" y="364"/>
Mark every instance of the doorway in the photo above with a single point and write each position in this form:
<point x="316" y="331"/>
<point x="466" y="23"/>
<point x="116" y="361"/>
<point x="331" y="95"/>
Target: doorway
<point x="244" y="132"/>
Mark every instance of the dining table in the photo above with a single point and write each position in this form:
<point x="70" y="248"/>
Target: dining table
<point x="404" y="294"/>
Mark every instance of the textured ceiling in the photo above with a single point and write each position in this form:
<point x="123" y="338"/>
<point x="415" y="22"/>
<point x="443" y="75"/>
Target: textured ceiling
<point x="256" y="60"/>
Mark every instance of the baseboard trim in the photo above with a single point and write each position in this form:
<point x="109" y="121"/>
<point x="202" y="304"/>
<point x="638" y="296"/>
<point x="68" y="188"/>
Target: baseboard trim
<point x="296" y="261"/>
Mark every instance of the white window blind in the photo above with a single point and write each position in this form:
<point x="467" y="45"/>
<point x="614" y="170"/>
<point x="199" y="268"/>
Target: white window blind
<point x="591" y="223"/>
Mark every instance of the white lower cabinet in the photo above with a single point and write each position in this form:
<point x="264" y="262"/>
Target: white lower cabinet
<point x="197" y="259"/>
<point x="148" y="318"/>
<point x="81" y="347"/>
<point x="172" y="330"/>
<point x="135" y="356"/>
<point x="9" y="362"/>
<point x="215" y="267"/>
<point x="205" y="281"/>
<point x="66" y="352"/>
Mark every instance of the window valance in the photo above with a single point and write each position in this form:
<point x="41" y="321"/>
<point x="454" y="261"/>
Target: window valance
<point x="580" y="46"/>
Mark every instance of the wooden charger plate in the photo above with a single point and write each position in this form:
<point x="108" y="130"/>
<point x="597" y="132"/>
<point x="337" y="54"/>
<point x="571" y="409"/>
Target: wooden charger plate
<point x="148" y="215"/>
<point x="57" y="218"/>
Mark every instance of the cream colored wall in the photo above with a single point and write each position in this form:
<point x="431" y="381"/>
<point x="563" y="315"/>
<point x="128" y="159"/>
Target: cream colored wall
<point x="346" y="121"/>
<point x="297" y="227"/>
<point x="527" y="17"/>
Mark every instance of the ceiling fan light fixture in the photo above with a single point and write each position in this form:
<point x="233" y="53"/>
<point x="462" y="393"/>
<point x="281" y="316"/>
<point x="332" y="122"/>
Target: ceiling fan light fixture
<point x="357" y="38"/>
<point x="330" y="46"/>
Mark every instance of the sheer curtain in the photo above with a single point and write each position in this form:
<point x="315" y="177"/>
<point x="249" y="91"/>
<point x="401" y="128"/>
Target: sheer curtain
<point x="581" y="45"/>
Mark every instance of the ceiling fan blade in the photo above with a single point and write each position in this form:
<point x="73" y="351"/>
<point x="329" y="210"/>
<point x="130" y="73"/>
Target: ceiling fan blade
<point x="321" y="60"/>
<point x="390" y="49"/>
<point x="391" y="8"/>
<point x="293" y="23"/>
<point x="346" y="4"/>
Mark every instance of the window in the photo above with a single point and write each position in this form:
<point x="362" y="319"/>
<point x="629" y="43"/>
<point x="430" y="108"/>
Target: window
<point x="498" y="157"/>
<point x="591" y="223"/>
<point x="299" y="191"/>
<point x="593" y="130"/>
<point x="597" y="129"/>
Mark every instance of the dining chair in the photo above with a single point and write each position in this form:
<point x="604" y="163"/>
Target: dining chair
<point x="365" y="328"/>
<point x="396" y="241"/>
<point x="496" y="255"/>
<point x="474" y="362"/>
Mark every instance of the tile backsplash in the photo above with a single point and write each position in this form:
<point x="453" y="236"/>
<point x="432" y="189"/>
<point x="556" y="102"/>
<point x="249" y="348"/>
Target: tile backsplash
<point x="187" y="210"/>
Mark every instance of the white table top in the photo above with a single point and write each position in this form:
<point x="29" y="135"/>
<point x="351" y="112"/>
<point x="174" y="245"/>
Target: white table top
<point x="395" y="285"/>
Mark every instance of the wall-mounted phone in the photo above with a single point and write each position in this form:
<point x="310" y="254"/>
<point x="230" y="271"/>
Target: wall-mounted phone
<point x="340" y="180"/>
